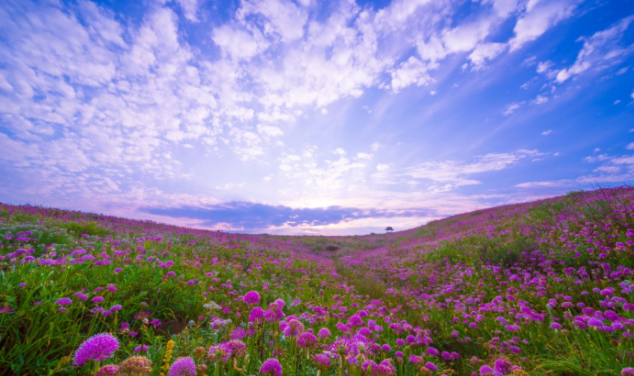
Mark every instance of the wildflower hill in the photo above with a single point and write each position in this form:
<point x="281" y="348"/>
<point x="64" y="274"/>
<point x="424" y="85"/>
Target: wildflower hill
<point x="541" y="288"/>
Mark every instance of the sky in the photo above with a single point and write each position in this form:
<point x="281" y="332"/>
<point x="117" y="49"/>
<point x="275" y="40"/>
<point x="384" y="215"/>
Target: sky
<point x="312" y="117"/>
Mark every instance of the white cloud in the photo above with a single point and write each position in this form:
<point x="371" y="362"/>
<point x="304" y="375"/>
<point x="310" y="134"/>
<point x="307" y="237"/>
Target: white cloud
<point x="545" y="184"/>
<point x="630" y="146"/>
<point x="538" y="17"/>
<point x="632" y="95"/>
<point x="282" y="17"/>
<point x="339" y="151"/>
<point x="190" y="8"/>
<point x="269" y="131"/>
<point x="598" y="158"/>
<point x="375" y="146"/>
<point x="485" y="52"/>
<point x="364" y="156"/>
<point x="452" y="174"/>
<point x="546" y="133"/>
<point x="619" y="101"/>
<point x="239" y="43"/>
<point x="511" y="108"/>
<point x="382" y="167"/>
<point x="412" y="71"/>
<point x="432" y="92"/>
<point x="540" y="99"/>
<point x="544" y="66"/>
<point x="599" y="51"/>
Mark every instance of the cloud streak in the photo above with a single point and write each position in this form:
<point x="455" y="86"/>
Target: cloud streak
<point x="257" y="217"/>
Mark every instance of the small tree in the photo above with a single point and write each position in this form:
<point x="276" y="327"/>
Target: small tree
<point x="389" y="229"/>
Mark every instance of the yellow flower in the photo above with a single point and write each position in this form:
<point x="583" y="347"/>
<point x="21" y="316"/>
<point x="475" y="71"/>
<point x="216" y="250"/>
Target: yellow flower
<point x="168" y="357"/>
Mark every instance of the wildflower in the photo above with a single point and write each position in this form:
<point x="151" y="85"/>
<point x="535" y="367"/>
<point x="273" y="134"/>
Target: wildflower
<point x="271" y="367"/>
<point x="323" y="333"/>
<point x="96" y="348"/>
<point x="97" y="299"/>
<point x="80" y="296"/>
<point x="116" y="307"/>
<point x="64" y="301"/>
<point x="135" y="366"/>
<point x="219" y="353"/>
<point x="431" y="366"/>
<point x="629" y="371"/>
<point x="183" y="367"/>
<point x="555" y="326"/>
<point x="238" y="333"/>
<point x="251" y="297"/>
<point x="322" y="361"/>
<point x="432" y="351"/>
<point x="108" y="370"/>
<point x="256" y="314"/>
<point x="168" y="357"/>
<point x="306" y="340"/>
<point x="141" y="348"/>
<point x="212" y="306"/>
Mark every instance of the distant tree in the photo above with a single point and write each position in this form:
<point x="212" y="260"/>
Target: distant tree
<point x="389" y="229"/>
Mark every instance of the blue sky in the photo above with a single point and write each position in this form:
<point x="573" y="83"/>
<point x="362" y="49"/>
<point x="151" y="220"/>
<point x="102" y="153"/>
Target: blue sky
<point x="312" y="117"/>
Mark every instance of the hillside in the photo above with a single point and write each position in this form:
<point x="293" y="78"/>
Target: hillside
<point x="540" y="288"/>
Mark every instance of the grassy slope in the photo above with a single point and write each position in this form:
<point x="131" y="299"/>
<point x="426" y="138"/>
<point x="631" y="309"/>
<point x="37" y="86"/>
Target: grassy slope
<point x="487" y="285"/>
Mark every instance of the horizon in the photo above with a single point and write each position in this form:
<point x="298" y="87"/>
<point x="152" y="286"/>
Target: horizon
<point x="305" y="118"/>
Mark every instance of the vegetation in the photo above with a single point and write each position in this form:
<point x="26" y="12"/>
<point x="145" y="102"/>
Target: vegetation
<point x="542" y="288"/>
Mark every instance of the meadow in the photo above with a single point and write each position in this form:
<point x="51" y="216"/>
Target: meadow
<point x="539" y="288"/>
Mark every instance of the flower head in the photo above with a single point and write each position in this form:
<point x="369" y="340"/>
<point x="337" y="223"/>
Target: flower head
<point x="108" y="370"/>
<point x="322" y="361"/>
<point x="183" y="367"/>
<point x="135" y="366"/>
<point x="252" y="297"/>
<point x="64" y="301"/>
<point x="96" y="348"/>
<point x="271" y="367"/>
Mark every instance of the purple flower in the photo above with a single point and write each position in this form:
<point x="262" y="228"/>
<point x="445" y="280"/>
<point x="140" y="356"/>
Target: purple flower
<point x="141" y="348"/>
<point x="594" y="322"/>
<point x="555" y="326"/>
<point x="323" y="333"/>
<point x="238" y="333"/>
<point x="252" y="297"/>
<point x="306" y="339"/>
<point x="271" y="367"/>
<point x="322" y="361"/>
<point x="96" y="348"/>
<point x="108" y="370"/>
<point x="431" y="366"/>
<point x="486" y="371"/>
<point x="237" y="348"/>
<point x="432" y="351"/>
<point x="256" y="314"/>
<point x="80" y="296"/>
<point x="220" y="352"/>
<point x="183" y="367"/>
<point x="64" y="301"/>
<point x="117" y="270"/>
<point x="116" y="307"/>
<point x="629" y="371"/>
<point x="97" y="299"/>
<point x="502" y="366"/>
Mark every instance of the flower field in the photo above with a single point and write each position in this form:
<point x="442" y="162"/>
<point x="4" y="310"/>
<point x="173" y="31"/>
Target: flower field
<point x="541" y="288"/>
